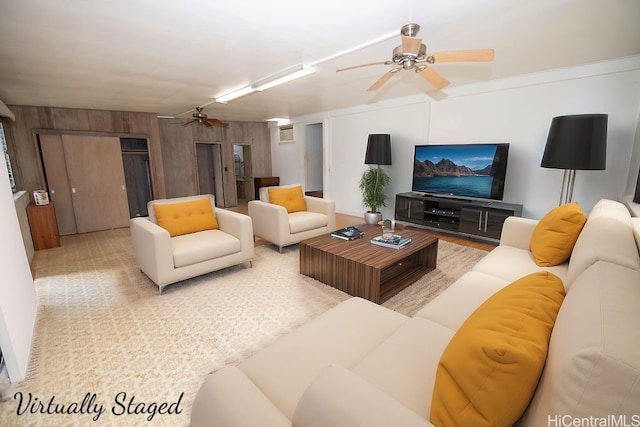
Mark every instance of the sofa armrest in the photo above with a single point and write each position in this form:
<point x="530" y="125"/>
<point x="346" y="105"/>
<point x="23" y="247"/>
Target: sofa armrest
<point x="236" y="224"/>
<point x="230" y="398"/>
<point x="341" y="398"/>
<point x="324" y="206"/>
<point x="152" y="248"/>
<point x="517" y="232"/>
<point x="270" y="221"/>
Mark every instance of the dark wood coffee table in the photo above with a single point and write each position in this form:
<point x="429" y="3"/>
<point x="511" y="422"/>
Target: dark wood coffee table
<point x="365" y="270"/>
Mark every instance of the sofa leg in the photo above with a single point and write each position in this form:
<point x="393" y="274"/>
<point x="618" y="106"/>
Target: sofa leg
<point x="280" y="248"/>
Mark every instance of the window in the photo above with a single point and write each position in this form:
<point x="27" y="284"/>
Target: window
<point x="5" y="152"/>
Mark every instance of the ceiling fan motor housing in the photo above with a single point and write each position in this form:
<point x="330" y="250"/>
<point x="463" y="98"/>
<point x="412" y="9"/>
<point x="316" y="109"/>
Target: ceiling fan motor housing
<point x="410" y="30"/>
<point x="408" y="61"/>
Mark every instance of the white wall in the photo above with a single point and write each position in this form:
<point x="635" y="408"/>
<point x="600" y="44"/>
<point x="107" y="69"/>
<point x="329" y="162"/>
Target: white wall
<point x="407" y="123"/>
<point x="517" y="110"/>
<point x="18" y="302"/>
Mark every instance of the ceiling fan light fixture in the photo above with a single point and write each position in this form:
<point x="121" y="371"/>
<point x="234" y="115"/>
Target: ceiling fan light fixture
<point x="289" y="75"/>
<point x="235" y="94"/>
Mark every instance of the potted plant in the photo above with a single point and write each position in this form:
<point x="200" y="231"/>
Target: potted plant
<point x="372" y="185"/>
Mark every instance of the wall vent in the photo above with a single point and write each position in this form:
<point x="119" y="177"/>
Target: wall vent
<point x="286" y="133"/>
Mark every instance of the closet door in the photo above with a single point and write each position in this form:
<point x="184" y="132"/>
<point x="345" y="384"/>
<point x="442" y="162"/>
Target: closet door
<point x="96" y="179"/>
<point x="58" y="182"/>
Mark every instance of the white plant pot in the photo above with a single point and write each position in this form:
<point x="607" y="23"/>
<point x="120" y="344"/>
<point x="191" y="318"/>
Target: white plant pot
<point x="372" y="218"/>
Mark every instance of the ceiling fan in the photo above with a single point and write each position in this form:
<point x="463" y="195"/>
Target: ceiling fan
<point x="200" y="117"/>
<point x="412" y="55"/>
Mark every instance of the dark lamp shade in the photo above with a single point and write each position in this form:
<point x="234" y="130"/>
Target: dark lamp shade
<point x="577" y="142"/>
<point x="378" y="149"/>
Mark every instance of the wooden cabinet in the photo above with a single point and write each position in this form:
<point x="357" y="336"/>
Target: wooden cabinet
<point x="410" y="209"/>
<point x="43" y="225"/>
<point x="482" y="221"/>
<point x="471" y="218"/>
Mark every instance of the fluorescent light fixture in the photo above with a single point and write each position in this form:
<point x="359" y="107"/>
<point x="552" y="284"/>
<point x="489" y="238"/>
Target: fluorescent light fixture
<point x="297" y="73"/>
<point x="235" y="94"/>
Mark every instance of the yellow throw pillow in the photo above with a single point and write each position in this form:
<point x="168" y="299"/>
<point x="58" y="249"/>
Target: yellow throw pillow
<point x="289" y="197"/>
<point x="490" y="369"/>
<point x="186" y="217"/>
<point x="555" y="235"/>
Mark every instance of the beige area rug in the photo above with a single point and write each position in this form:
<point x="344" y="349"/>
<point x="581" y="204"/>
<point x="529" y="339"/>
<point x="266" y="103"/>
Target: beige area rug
<point x="106" y="340"/>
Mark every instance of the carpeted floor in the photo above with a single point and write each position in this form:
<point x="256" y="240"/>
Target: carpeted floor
<point x="105" y="338"/>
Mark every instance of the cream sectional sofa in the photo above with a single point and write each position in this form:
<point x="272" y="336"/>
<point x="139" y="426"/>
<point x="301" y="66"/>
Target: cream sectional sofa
<point x="360" y="364"/>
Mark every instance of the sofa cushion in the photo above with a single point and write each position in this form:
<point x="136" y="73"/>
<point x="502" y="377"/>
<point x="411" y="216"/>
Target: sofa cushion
<point x="454" y="305"/>
<point x="593" y="365"/>
<point x="289" y="197"/>
<point x="340" y="398"/>
<point x="230" y="398"/>
<point x="511" y="263"/>
<point x="193" y="248"/>
<point x="607" y="236"/>
<point x="404" y="365"/>
<point x="489" y="371"/>
<point x="556" y="234"/>
<point x="186" y="217"/>
<point x="304" y="221"/>
<point x="343" y="335"/>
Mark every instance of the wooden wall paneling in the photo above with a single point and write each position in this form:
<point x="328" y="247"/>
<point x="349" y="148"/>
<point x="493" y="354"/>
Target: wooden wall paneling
<point x="58" y="182"/>
<point x="235" y="133"/>
<point x="178" y="156"/>
<point x="28" y="118"/>
<point x="260" y="148"/>
<point x="99" y="121"/>
<point x="96" y="177"/>
<point x="158" y="181"/>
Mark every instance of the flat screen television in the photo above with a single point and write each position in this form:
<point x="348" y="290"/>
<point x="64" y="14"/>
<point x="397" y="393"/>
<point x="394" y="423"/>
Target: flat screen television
<point x="462" y="170"/>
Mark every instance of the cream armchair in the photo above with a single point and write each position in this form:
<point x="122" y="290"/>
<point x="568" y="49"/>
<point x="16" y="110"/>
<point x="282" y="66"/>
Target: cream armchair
<point x="273" y="222"/>
<point x="166" y="259"/>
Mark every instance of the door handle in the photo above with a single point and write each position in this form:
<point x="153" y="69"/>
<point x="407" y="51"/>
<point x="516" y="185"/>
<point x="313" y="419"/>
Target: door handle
<point x="486" y="220"/>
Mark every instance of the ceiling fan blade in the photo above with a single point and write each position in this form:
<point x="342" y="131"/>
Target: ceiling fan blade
<point x="206" y="123"/>
<point x="479" y="55"/>
<point x="362" y="65"/>
<point x="411" y="45"/>
<point x="217" y="122"/>
<point x="187" y="123"/>
<point x="382" y="80"/>
<point x="434" y="77"/>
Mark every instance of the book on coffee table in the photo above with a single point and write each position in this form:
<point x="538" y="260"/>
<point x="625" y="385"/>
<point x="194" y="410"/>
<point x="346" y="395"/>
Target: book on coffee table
<point x="348" y="233"/>
<point x="395" y="241"/>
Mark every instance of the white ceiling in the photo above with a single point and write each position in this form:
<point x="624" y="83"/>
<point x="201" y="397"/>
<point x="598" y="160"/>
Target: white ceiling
<point x="169" y="56"/>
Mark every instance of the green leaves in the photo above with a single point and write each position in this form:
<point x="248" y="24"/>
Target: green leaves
<point x="372" y="186"/>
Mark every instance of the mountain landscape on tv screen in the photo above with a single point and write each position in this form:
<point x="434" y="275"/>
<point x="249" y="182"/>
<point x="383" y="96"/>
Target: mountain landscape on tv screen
<point x="446" y="167"/>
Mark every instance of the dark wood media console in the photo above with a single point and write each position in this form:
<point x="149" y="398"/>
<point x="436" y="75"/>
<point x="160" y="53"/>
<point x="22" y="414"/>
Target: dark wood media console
<point x="481" y="219"/>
